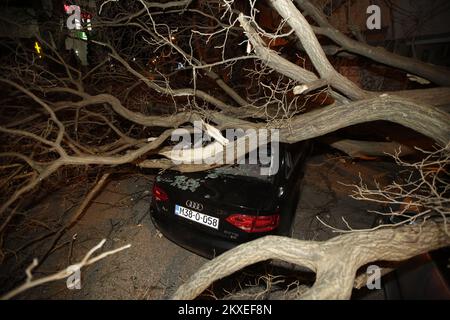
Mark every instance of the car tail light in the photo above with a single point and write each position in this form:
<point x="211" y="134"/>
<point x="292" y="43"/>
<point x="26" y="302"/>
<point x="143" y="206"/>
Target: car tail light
<point x="254" y="223"/>
<point x="159" y="194"/>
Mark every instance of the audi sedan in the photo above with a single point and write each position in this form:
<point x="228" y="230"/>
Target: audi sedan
<point x="213" y="211"/>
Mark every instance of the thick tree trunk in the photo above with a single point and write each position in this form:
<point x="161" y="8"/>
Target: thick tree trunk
<point x="427" y="120"/>
<point x="335" y="261"/>
<point x="364" y="149"/>
<point x="437" y="74"/>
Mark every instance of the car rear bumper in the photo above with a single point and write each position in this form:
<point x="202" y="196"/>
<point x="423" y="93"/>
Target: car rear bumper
<point x="202" y="244"/>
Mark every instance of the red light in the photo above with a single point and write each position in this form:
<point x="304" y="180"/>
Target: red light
<point x="84" y="15"/>
<point x="254" y="223"/>
<point x="159" y="194"/>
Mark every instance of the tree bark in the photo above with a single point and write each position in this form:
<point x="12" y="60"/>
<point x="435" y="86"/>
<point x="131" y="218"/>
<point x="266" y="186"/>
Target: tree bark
<point x="428" y="120"/>
<point x="364" y="149"/>
<point x="335" y="261"/>
<point x="306" y="35"/>
<point x="437" y="74"/>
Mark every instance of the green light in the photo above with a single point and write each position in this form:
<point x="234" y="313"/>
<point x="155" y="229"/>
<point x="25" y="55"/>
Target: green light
<point x="81" y="35"/>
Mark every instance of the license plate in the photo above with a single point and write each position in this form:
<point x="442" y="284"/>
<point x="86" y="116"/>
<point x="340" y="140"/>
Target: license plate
<point x="198" y="217"/>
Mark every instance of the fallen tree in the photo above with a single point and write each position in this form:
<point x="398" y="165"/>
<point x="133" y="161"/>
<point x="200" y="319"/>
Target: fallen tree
<point x="335" y="261"/>
<point x="58" y="115"/>
<point x="420" y="205"/>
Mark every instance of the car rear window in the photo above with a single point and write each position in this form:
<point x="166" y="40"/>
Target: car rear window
<point x="259" y="170"/>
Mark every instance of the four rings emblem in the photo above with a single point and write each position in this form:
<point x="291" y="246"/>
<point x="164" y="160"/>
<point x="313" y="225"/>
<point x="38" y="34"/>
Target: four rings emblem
<point x="194" y="205"/>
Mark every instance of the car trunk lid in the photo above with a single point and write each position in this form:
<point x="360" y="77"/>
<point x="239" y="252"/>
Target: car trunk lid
<point x="218" y="196"/>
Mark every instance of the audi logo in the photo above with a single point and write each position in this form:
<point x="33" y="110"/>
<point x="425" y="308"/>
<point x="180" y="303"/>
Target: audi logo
<point x="194" y="205"/>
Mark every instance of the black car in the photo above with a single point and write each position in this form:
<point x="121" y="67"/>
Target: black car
<point x="212" y="211"/>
